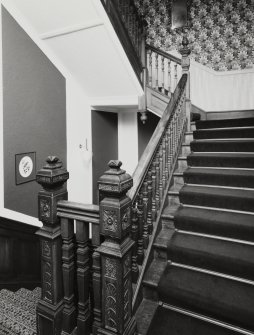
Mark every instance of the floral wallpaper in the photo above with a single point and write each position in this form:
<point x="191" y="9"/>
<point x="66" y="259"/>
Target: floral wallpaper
<point x="220" y="34"/>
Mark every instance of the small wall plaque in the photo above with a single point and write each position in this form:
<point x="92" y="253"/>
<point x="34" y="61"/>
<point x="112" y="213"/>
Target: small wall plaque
<point x="25" y="167"/>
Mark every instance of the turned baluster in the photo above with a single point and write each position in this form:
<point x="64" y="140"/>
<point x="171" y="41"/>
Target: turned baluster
<point x="169" y="77"/>
<point x="161" y="172"/>
<point x="49" y="309"/>
<point x="145" y="214"/>
<point x="83" y="277"/>
<point x="131" y="23"/>
<point x="97" y="297"/>
<point x="134" y="236"/>
<point x="166" y="154"/>
<point x="171" y="146"/>
<point x="154" y="213"/>
<point x="69" y="311"/>
<point x="150" y="67"/>
<point x="149" y="190"/>
<point x="175" y="135"/>
<point x="156" y="71"/>
<point x="164" y="162"/>
<point x="176" y="75"/>
<point x="157" y="196"/>
<point x="140" y="230"/>
<point x="162" y="74"/>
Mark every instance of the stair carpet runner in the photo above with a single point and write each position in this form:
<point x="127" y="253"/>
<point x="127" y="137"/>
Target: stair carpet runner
<point x="18" y="311"/>
<point x="207" y="286"/>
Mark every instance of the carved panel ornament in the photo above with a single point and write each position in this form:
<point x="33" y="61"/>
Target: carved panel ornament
<point x="111" y="308"/>
<point x="126" y="218"/>
<point x="46" y="249"/>
<point x="110" y="268"/>
<point x="110" y="220"/>
<point x="45" y="209"/>
<point x="126" y="264"/>
<point x="47" y="281"/>
<point x="127" y="300"/>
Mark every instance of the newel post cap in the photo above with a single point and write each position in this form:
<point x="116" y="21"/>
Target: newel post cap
<point x="115" y="181"/>
<point x="52" y="174"/>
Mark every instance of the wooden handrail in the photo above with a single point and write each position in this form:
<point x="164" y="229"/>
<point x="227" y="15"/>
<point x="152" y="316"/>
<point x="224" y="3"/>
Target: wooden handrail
<point x="78" y="211"/>
<point x="148" y="154"/>
<point x="164" y="54"/>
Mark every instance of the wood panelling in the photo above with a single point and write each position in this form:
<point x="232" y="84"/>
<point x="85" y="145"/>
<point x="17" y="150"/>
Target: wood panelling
<point x="19" y="255"/>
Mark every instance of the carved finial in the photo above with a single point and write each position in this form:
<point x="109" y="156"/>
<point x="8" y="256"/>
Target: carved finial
<point x="53" y="162"/>
<point x="115" y="164"/>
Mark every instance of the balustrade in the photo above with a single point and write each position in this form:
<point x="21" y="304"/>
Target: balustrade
<point x="160" y="67"/>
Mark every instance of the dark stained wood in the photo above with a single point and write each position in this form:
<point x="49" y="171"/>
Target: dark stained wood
<point x="52" y="177"/>
<point x="20" y="264"/>
<point x="68" y="269"/>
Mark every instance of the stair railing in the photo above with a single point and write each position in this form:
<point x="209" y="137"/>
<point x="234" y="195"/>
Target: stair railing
<point x="131" y="30"/>
<point x="152" y="177"/>
<point x="164" y="70"/>
<point x="71" y="272"/>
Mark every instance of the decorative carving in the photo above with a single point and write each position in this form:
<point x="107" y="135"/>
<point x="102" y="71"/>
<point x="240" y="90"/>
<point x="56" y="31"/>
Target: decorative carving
<point x="46" y="249"/>
<point x="47" y="281"/>
<point x="126" y="264"/>
<point x="110" y="268"/>
<point x="110" y="220"/>
<point x="127" y="300"/>
<point x="116" y="188"/>
<point x="45" y="209"/>
<point x="126" y="218"/>
<point x="110" y="306"/>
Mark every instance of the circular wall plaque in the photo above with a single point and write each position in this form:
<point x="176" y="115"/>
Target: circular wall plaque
<point x="26" y="166"/>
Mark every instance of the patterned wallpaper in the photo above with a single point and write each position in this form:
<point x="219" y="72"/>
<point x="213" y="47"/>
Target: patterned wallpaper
<point x="221" y="33"/>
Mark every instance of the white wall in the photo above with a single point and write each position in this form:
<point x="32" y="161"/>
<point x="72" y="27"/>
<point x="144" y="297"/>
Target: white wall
<point x="128" y="140"/>
<point x="221" y="91"/>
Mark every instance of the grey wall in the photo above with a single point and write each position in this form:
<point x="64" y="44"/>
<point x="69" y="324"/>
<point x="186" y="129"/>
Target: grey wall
<point x="34" y="107"/>
<point x="145" y="131"/>
<point x="104" y="144"/>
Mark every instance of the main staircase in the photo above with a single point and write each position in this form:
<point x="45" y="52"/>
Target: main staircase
<point x="201" y="280"/>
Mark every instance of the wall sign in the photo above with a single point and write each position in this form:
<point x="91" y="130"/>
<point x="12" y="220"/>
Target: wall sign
<point x="25" y="167"/>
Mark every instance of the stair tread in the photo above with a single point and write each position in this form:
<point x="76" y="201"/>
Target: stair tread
<point x="222" y="177"/>
<point x="215" y="222"/>
<point x="223" y="256"/>
<point x="214" y="296"/>
<point x="170" y="322"/>
<point x="218" y="197"/>
<point x="204" y="124"/>
<point x="231" y="132"/>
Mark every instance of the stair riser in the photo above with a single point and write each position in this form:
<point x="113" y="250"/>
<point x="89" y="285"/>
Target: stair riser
<point x="213" y="296"/>
<point x="227" y="257"/>
<point x="207" y="222"/>
<point x="221" y="180"/>
<point x="160" y="253"/>
<point x="221" y="162"/>
<point x="225" y="133"/>
<point x="217" y="201"/>
<point x="222" y="146"/>
<point x="247" y="122"/>
<point x="167" y="223"/>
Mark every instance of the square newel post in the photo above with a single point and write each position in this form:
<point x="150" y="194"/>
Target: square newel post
<point x="52" y="177"/>
<point x="115" y="223"/>
<point x="185" y="52"/>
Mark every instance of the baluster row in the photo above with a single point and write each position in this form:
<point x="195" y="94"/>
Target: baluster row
<point x="160" y="71"/>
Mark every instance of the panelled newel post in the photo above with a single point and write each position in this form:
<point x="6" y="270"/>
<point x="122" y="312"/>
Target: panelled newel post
<point x="116" y="252"/>
<point x="52" y="177"/>
<point x="185" y="52"/>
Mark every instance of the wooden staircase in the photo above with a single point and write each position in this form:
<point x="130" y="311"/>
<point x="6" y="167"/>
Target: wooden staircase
<point x="201" y="278"/>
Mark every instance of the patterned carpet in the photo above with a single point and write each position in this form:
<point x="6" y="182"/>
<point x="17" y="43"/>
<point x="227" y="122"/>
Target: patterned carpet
<point x="18" y="311"/>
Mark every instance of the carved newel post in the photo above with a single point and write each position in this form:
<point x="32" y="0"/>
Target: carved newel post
<point x="185" y="52"/>
<point x="115" y="222"/>
<point x="52" y="177"/>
